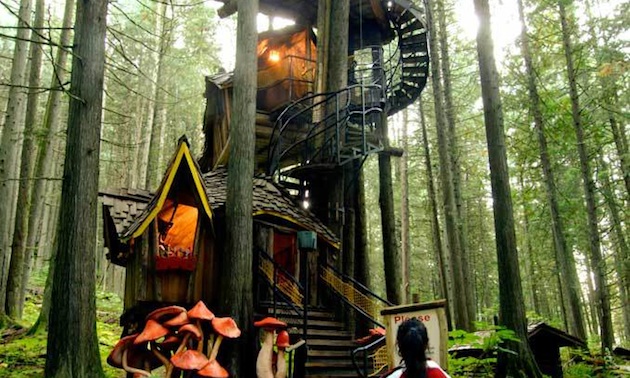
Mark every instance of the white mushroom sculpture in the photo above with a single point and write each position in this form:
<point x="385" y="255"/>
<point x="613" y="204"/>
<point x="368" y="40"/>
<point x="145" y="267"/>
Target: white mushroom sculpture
<point x="264" y="361"/>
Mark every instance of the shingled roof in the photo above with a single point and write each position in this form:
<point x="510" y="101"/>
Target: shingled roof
<point x="124" y="205"/>
<point x="269" y="199"/>
<point x="127" y="207"/>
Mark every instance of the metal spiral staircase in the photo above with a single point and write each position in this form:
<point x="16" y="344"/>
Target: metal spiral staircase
<point x="332" y="129"/>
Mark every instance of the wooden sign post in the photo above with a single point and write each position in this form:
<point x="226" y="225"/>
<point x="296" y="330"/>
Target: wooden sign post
<point x="433" y="315"/>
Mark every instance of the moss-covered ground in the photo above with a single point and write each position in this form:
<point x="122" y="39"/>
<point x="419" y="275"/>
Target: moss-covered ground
<point x="23" y="355"/>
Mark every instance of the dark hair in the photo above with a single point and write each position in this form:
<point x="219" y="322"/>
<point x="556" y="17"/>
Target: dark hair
<point x="412" y="341"/>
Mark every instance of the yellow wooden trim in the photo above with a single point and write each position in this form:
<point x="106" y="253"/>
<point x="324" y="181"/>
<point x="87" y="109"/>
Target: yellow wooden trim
<point x="294" y="221"/>
<point x="181" y="153"/>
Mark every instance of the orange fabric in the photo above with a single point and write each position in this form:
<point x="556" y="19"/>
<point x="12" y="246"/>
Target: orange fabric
<point x="182" y="232"/>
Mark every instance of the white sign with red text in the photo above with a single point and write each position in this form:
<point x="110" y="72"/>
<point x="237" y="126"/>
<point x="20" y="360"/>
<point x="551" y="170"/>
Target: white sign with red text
<point x="433" y="315"/>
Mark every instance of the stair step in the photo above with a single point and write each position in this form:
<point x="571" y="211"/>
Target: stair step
<point x="330" y="364"/>
<point x="328" y="354"/>
<point x="324" y="333"/>
<point x="331" y="344"/>
<point x="312" y="314"/>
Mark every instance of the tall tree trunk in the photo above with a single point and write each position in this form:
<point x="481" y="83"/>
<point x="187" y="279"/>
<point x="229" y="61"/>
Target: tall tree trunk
<point x="623" y="251"/>
<point x="361" y="260"/>
<point x="11" y="143"/>
<point x="564" y="258"/>
<point x="391" y="253"/>
<point x="20" y="255"/>
<point x="237" y="284"/>
<point x="404" y="210"/>
<point x="51" y="127"/>
<point x="449" y="110"/>
<point x="157" y="122"/>
<point x="445" y="285"/>
<point x="529" y="264"/>
<point x="459" y="300"/>
<point x="512" y="308"/>
<point x="72" y="349"/>
<point x="597" y="262"/>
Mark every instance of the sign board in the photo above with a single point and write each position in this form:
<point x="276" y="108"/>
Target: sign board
<point x="433" y="315"/>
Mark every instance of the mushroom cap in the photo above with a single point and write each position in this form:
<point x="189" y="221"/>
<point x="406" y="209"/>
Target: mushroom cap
<point x="201" y="312"/>
<point x="170" y="342"/>
<point x="179" y="320"/>
<point x="192" y="329"/>
<point x="283" y="339"/>
<point x="165" y="313"/>
<point x="115" y="356"/>
<point x="270" y="323"/>
<point x="214" y="370"/>
<point x="226" y="327"/>
<point x="152" y="331"/>
<point x="189" y="360"/>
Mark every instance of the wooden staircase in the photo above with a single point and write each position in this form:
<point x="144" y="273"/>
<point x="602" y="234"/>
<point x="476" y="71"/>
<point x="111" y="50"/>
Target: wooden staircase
<point x="329" y="343"/>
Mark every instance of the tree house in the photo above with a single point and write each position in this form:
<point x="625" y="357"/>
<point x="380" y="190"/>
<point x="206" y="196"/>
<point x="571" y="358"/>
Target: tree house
<point x="308" y="129"/>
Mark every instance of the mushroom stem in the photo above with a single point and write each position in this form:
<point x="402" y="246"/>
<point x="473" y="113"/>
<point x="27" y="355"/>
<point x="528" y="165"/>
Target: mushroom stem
<point x="281" y="365"/>
<point x="215" y="348"/>
<point x="159" y="355"/>
<point x="200" y="345"/>
<point x="210" y="342"/>
<point x="265" y="355"/>
<point x="183" y="344"/>
<point x="130" y="369"/>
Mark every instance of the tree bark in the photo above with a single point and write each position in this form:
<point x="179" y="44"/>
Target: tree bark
<point x="237" y="283"/>
<point x="564" y="258"/>
<point x="597" y="262"/>
<point x="11" y="143"/>
<point x="51" y="127"/>
<point x="453" y="151"/>
<point x="460" y="303"/>
<point x="155" y="106"/>
<point x="445" y="285"/>
<point x="391" y="253"/>
<point x="512" y="308"/>
<point x="623" y="251"/>
<point x="72" y="349"/>
<point x="404" y="210"/>
<point x="20" y="254"/>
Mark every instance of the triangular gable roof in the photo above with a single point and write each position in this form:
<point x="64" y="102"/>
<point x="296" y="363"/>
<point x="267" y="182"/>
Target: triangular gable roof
<point x="181" y="156"/>
<point x="552" y="333"/>
<point x="269" y="199"/>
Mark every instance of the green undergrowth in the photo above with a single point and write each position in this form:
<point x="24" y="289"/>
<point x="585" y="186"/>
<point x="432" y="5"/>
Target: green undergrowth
<point x="23" y="355"/>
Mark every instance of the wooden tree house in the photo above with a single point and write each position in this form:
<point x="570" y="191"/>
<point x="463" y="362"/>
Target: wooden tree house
<point x="170" y="240"/>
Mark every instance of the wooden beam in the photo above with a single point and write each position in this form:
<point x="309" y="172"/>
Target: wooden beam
<point x="392" y="151"/>
<point x="229" y="8"/>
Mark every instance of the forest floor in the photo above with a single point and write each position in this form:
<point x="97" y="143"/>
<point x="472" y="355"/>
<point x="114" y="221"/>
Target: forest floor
<point x="23" y="355"/>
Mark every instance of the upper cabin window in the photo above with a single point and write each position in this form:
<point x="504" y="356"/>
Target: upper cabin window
<point x="286" y="66"/>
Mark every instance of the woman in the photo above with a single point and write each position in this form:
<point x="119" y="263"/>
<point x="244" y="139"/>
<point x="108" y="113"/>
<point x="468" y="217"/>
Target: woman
<point x="413" y="340"/>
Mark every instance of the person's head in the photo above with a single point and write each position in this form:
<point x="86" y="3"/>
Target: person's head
<point x="413" y="341"/>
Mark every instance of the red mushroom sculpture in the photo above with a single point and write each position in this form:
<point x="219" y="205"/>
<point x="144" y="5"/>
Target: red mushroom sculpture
<point x="198" y="313"/>
<point x="225" y="327"/>
<point x="264" y="361"/>
<point x="118" y="357"/>
<point x="282" y="342"/>
<point x="213" y="370"/>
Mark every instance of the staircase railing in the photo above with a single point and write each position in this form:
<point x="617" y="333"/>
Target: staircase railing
<point x="369" y="306"/>
<point x="315" y="128"/>
<point x="284" y="287"/>
<point x="373" y="357"/>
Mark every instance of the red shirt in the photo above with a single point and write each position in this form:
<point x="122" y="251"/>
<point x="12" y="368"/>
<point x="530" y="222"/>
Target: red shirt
<point x="433" y="371"/>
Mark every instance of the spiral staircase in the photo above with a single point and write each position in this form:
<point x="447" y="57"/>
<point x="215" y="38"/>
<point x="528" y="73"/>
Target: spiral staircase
<point x="331" y="129"/>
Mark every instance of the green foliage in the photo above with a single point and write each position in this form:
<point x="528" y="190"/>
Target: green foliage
<point x="486" y="343"/>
